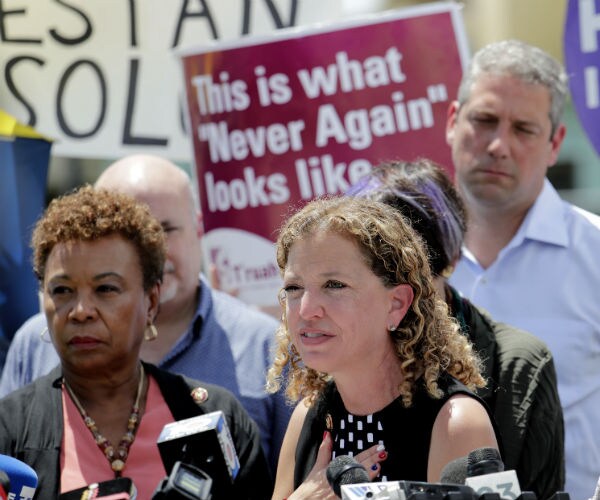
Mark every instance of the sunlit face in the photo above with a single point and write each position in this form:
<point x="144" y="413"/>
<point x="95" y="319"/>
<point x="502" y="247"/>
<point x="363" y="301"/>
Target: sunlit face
<point x="95" y="303"/>
<point x="338" y="312"/>
<point x="501" y="142"/>
<point x="174" y="210"/>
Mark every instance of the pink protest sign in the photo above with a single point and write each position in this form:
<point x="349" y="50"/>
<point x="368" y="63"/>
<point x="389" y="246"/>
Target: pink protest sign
<point x="278" y="121"/>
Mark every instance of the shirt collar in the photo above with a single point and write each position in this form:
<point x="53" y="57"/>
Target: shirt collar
<point x="545" y="220"/>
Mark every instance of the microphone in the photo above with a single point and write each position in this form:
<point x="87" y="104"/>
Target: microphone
<point x="454" y="472"/>
<point x="407" y="490"/>
<point x="343" y="469"/>
<point x="486" y="475"/>
<point x="484" y="461"/>
<point x="184" y="482"/>
<point x="22" y="478"/>
<point x="350" y="480"/>
<point x="203" y="442"/>
<point x="487" y="461"/>
<point x="121" y="488"/>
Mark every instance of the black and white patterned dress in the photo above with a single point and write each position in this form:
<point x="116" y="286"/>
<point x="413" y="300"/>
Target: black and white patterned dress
<point x="405" y="432"/>
<point x="355" y="433"/>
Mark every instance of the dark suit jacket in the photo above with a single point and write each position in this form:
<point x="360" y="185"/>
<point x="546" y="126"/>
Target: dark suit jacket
<point x="522" y="394"/>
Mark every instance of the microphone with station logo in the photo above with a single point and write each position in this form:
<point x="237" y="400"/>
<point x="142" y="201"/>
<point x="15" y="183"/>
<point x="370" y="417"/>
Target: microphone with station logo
<point x="22" y="479"/>
<point x="203" y="443"/>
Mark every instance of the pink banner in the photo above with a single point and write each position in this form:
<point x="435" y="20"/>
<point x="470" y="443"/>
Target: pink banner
<point x="278" y="121"/>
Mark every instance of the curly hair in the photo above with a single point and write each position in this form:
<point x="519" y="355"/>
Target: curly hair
<point x="88" y="214"/>
<point x="428" y="339"/>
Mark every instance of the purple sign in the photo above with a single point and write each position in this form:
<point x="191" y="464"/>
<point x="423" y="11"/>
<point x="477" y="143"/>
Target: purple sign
<point x="582" y="60"/>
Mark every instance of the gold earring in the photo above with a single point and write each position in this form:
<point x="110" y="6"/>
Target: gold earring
<point x="447" y="271"/>
<point x="44" y="332"/>
<point x="150" y="333"/>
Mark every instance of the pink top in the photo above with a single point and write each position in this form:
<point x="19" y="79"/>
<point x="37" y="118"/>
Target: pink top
<point x="82" y="462"/>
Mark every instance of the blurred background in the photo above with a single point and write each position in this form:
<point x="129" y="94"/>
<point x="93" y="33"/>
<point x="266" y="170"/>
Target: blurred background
<point x="540" y="22"/>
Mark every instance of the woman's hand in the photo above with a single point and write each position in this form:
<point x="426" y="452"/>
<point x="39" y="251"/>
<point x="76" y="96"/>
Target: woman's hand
<point x="371" y="458"/>
<point x="316" y="486"/>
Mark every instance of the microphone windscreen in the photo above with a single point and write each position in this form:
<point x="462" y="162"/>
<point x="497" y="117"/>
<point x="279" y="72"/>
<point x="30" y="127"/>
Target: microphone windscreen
<point x="483" y="454"/>
<point x="454" y="472"/>
<point x="484" y="461"/>
<point x="23" y="479"/>
<point x="342" y="470"/>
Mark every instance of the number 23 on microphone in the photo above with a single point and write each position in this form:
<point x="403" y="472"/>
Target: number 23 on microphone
<point x="505" y="483"/>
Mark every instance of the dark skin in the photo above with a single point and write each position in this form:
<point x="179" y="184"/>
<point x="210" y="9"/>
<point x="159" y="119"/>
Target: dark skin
<point x="97" y="312"/>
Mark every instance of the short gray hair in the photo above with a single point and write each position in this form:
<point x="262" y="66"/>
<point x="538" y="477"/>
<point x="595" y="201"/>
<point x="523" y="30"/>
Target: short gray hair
<point x="525" y="62"/>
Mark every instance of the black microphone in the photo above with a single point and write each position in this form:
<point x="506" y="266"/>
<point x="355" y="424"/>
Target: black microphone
<point x="184" y="482"/>
<point x="407" y="490"/>
<point x="203" y="442"/>
<point x="454" y="472"/>
<point x="350" y="480"/>
<point x="484" y="461"/>
<point x="342" y="470"/>
<point x="486" y="475"/>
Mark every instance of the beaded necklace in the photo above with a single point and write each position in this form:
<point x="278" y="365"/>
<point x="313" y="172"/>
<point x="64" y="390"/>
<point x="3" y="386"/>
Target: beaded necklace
<point x="115" y="458"/>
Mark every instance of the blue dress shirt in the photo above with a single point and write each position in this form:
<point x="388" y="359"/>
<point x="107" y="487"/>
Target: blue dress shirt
<point x="547" y="281"/>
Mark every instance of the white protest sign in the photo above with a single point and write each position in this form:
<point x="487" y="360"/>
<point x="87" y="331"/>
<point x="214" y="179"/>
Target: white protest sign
<point x="100" y="77"/>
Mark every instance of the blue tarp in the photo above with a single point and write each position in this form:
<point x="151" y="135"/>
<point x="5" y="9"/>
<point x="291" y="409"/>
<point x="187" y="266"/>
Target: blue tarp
<point x="23" y="174"/>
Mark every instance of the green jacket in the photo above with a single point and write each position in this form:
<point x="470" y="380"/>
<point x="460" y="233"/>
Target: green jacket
<point x="522" y="394"/>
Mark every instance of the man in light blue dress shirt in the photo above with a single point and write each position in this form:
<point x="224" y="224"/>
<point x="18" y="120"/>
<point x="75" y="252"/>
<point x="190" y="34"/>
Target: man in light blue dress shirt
<point x="530" y="258"/>
<point x="202" y="333"/>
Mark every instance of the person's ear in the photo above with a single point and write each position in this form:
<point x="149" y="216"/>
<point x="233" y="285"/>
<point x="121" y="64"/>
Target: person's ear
<point x="401" y="299"/>
<point x="555" y="144"/>
<point x="451" y="117"/>
<point x="153" y="295"/>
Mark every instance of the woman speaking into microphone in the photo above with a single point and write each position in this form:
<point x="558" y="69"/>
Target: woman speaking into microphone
<point x="382" y="370"/>
<point x="99" y="259"/>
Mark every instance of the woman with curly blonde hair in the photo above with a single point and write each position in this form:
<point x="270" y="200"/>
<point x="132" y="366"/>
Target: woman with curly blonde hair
<point x="383" y="372"/>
